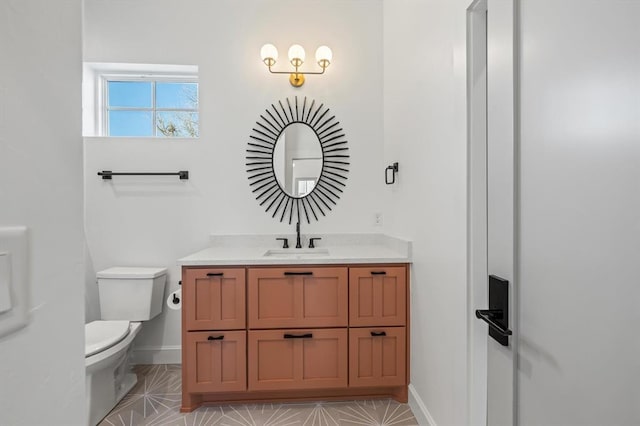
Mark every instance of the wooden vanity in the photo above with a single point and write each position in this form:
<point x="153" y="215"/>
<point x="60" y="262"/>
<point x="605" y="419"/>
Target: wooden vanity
<point x="294" y="332"/>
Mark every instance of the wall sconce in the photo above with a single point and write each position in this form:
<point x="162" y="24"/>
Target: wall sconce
<point x="269" y="55"/>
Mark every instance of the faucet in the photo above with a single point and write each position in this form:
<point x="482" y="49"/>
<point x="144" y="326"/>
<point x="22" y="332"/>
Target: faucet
<point x="298" y="244"/>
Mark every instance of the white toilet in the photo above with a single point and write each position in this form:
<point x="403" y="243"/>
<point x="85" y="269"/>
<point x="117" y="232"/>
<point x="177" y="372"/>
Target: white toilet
<point x="128" y="295"/>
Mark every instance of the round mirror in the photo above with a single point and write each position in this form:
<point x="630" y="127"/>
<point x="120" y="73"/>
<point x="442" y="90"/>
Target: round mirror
<point x="297" y="160"/>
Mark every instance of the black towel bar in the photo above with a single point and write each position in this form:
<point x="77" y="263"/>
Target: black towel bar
<point x="107" y="174"/>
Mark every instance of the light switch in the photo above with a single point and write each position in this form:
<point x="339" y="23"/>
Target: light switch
<point x="5" y="282"/>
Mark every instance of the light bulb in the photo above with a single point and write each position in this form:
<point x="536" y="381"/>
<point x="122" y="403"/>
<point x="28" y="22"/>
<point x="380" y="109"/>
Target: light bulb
<point x="324" y="56"/>
<point x="296" y="55"/>
<point x="269" y="54"/>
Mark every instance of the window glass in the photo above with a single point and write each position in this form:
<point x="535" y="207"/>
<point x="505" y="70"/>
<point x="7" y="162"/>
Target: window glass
<point x="160" y="108"/>
<point x="176" y="95"/>
<point x="130" y="123"/>
<point x="132" y="94"/>
<point x="177" y="124"/>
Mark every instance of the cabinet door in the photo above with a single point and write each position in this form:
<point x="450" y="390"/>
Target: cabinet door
<point x="216" y="361"/>
<point x="297" y="297"/>
<point x="377" y="296"/>
<point x="297" y="359"/>
<point x="214" y="299"/>
<point x="377" y="357"/>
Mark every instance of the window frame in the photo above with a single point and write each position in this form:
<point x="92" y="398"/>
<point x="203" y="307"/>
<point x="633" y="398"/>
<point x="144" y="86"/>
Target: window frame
<point x="153" y="78"/>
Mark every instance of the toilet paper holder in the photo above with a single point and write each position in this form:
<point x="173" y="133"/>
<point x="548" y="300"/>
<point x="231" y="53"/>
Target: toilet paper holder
<point x="175" y="300"/>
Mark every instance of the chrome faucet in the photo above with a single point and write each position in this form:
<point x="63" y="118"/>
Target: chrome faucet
<point x="298" y="244"/>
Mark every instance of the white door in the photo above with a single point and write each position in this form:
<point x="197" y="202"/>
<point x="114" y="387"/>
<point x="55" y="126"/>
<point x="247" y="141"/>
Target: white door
<point x="575" y="254"/>
<point x="491" y="204"/>
<point x="579" y="313"/>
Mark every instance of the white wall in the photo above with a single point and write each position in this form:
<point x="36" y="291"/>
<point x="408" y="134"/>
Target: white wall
<point x="425" y="131"/>
<point x="579" y="361"/>
<point x="42" y="365"/>
<point x="155" y="221"/>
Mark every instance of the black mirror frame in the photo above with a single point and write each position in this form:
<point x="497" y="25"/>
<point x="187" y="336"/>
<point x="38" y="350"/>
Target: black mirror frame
<point x="335" y="160"/>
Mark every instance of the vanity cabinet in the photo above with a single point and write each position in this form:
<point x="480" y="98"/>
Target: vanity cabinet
<point x="377" y="356"/>
<point x="294" y="333"/>
<point x="216" y="361"/>
<point x="215" y="298"/>
<point x="298" y="297"/>
<point x="297" y="359"/>
<point x="377" y="321"/>
<point x="377" y="296"/>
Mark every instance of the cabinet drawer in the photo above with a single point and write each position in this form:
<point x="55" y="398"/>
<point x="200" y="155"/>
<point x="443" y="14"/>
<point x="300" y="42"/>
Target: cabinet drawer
<point x="377" y="357"/>
<point x="214" y="299"/>
<point x="377" y="296"/>
<point x="297" y="359"/>
<point x="297" y="297"/>
<point x="216" y="361"/>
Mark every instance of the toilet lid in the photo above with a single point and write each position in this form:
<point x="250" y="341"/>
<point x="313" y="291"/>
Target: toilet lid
<point x="100" y="335"/>
<point x="130" y="272"/>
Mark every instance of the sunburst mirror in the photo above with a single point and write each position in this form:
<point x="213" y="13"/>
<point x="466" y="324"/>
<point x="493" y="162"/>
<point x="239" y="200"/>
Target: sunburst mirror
<point x="297" y="160"/>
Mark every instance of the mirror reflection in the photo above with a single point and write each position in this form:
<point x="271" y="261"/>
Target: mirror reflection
<point x="297" y="159"/>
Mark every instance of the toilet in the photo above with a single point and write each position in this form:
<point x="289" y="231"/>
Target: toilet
<point x="128" y="296"/>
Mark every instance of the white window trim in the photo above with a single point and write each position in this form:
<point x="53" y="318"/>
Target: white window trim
<point x="95" y="98"/>
<point x="103" y="121"/>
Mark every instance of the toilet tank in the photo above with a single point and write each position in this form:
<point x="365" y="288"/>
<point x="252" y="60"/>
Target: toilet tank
<point x="131" y="293"/>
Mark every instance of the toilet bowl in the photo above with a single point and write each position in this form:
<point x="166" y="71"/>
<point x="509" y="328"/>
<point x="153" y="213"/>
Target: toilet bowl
<point x="127" y="296"/>
<point x="108" y="379"/>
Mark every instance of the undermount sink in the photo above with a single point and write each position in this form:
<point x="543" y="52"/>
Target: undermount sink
<point x="297" y="253"/>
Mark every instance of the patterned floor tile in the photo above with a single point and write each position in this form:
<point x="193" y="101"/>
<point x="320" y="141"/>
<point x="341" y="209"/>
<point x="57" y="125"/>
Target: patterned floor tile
<point x="157" y="391"/>
<point x="320" y="415"/>
<point x="155" y="401"/>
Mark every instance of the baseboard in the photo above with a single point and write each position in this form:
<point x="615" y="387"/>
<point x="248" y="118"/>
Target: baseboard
<point x="420" y="411"/>
<point x="156" y="355"/>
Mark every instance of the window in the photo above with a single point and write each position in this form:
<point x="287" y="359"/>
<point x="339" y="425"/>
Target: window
<point x="304" y="186"/>
<point x="150" y="106"/>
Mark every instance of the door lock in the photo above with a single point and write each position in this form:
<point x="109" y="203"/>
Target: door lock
<point x="497" y="316"/>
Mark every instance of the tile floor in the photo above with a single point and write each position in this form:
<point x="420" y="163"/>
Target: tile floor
<point x="155" y="401"/>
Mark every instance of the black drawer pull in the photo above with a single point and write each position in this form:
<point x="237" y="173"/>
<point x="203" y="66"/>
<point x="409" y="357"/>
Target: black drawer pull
<point x="215" y="274"/>
<point x="378" y="273"/>
<point x="378" y="333"/>
<point x="298" y="336"/>
<point x="298" y="273"/>
<point x="216" y="338"/>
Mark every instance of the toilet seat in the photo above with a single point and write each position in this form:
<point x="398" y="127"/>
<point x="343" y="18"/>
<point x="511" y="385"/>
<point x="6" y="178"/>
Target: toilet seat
<point x="101" y="335"/>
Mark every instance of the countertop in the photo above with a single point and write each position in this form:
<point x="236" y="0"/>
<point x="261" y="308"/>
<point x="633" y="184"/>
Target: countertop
<point x="331" y="249"/>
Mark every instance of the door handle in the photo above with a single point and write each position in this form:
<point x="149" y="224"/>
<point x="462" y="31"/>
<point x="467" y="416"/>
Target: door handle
<point x="488" y="315"/>
<point x="497" y="316"/>
<point x="215" y="274"/>
<point x="216" y="338"/>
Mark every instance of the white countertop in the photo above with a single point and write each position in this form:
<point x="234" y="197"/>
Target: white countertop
<point x="342" y="248"/>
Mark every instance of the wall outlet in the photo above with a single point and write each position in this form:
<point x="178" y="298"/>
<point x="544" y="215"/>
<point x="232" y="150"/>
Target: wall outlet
<point x="377" y="219"/>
